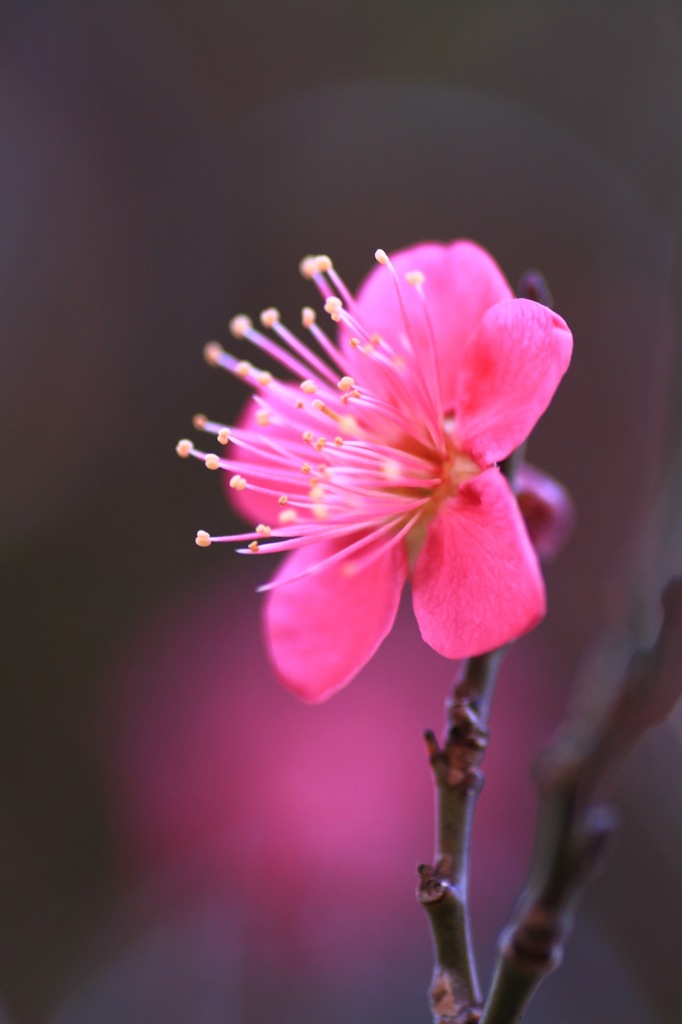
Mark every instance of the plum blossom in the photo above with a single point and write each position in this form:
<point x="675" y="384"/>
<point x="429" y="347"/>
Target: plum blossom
<point x="377" y="460"/>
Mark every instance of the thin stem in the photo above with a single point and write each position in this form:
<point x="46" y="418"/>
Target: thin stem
<point x="455" y="992"/>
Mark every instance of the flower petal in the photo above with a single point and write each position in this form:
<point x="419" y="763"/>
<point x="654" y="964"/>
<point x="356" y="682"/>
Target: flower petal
<point x="477" y="583"/>
<point x="547" y="510"/>
<point x="509" y="370"/>
<point x="462" y="281"/>
<point x="322" y="629"/>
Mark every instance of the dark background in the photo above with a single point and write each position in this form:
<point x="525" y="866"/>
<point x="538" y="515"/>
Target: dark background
<point x="180" y="841"/>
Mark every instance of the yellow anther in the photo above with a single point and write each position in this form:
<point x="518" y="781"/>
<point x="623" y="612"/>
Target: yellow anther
<point x="338" y="441"/>
<point x="263" y="530"/>
<point x="287" y="516"/>
<point x="262" y="417"/>
<point x="308" y="267"/>
<point x="308" y="316"/>
<point x="202" y="539"/>
<point x="237" y="482"/>
<point x="184" y="448"/>
<point x="414" y="277"/>
<point x="299" y="404"/>
<point x="240" y="325"/>
<point x="319" y="444"/>
<point x="212" y="461"/>
<point x="345" y="384"/>
<point x="253" y="546"/>
<point x="333" y="305"/>
<point x="199" y="421"/>
<point x="324" y="264"/>
<point x="223" y="435"/>
<point x="320" y="511"/>
<point x="283" y="499"/>
<point x="354" y="343"/>
<point x="309" y="387"/>
<point x="264" y="378"/>
<point x="306" y="467"/>
<point x="269" y="317"/>
<point x="381" y="257"/>
<point x="213" y="352"/>
<point x="307" y="435"/>
<point x="243" y="368"/>
<point x="316" y="492"/>
<point x="318" y="405"/>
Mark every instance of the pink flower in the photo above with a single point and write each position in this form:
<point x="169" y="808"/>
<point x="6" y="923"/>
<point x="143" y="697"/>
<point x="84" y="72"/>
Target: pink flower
<point x="381" y="463"/>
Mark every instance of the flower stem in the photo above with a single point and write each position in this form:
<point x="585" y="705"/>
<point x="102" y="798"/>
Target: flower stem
<point x="455" y="993"/>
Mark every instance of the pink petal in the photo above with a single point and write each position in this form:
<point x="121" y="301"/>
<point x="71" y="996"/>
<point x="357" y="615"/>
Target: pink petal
<point x="322" y="629"/>
<point x="509" y="371"/>
<point x="477" y="583"/>
<point x="462" y="281"/>
<point x="547" y="510"/>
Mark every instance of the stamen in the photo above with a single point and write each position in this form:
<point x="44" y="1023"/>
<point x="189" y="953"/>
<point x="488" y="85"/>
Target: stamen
<point x="263" y="530"/>
<point x="334" y="307"/>
<point x="237" y="482"/>
<point x="240" y="325"/>
<point x="422" y="393"/>
<point x="213" y="351"/>
<point x="212" y="462"/>
<point x="269" y="317"/>
<point x="308" y="267"/>
<point x="184" y="448"/>
<point x="202" y="539"/>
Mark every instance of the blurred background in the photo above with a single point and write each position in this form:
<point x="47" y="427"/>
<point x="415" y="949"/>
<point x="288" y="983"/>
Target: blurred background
<point x="180" y="840"/>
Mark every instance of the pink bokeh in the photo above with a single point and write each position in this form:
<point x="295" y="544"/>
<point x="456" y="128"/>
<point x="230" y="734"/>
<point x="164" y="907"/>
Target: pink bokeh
<point x="288" y="808"/>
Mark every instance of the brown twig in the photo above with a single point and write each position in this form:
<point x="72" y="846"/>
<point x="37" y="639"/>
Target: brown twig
<point x="455" y="993"/>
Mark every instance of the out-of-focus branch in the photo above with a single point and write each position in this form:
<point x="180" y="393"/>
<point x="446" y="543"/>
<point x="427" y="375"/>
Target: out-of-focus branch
<point x="573" y="826"/>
